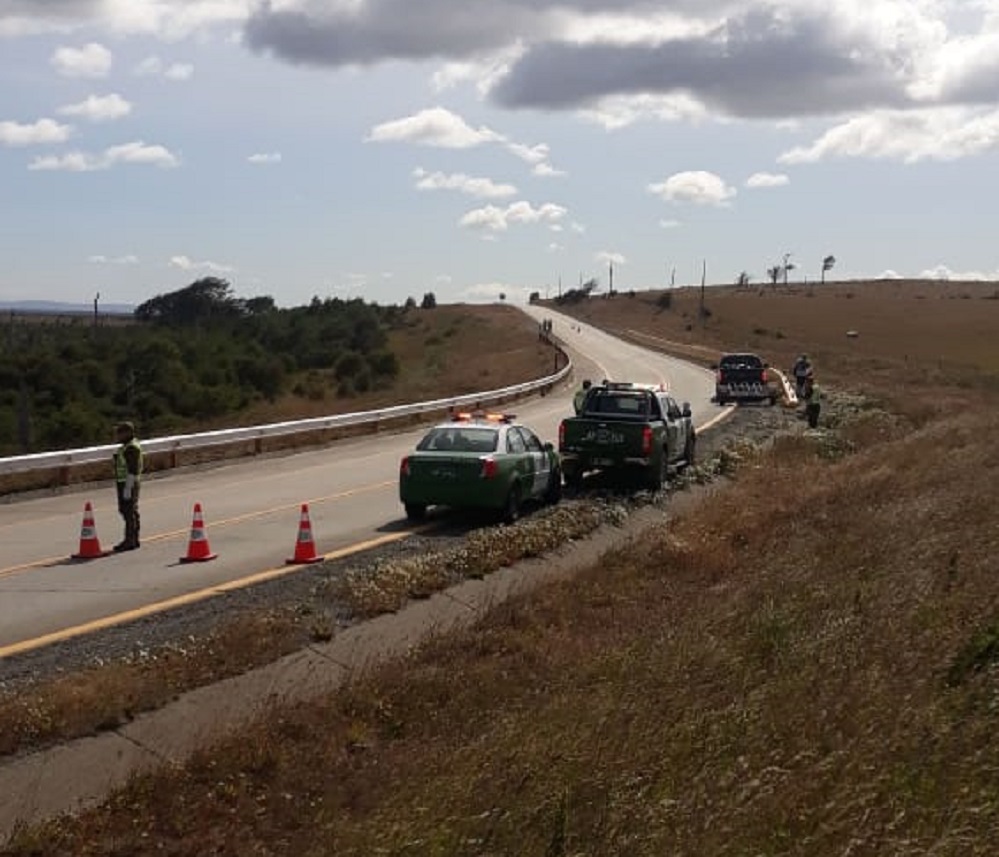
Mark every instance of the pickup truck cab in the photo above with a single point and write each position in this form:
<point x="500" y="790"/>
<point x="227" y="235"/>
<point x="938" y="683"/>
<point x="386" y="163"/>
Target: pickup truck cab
<point x="625" y="426"/>
<point x="744" y="378"/>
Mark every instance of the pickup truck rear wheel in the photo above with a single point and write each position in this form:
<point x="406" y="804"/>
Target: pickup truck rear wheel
<point x="416" y="511"/>
<point x="574" y="479"/>
<point x="656" y="476"/>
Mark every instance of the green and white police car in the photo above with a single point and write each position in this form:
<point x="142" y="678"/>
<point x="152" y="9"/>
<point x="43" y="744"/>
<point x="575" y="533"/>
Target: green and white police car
<point x="479" y="461"/>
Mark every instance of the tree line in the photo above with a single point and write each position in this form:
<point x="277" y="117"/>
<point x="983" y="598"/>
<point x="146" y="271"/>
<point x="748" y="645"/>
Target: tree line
<point x="186" y="358"/>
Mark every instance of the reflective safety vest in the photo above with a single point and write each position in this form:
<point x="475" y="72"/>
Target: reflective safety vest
<point x="121" y="466"/>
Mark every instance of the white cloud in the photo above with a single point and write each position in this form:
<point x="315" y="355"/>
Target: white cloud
<point x="547" y="171"/>
<point x="942" y="272"/>
<point x="98" y="108"/>
<point x="577" y="227"/>
<point x="172" y="20"/>
<point x="942" y="134"/>
<point x="440" y="128"/>
<point x="495" y="292"/>
<point x="889" y="274"/>
<point x="537" y="156"/>
<point x="127" y="153"/>
<point x="113" y="260"/>
<point x="555" y="247"/>
<point x="669" y="223"/>
<point x="483" y="73"/>
<point x="265" y="158"/>
<point x="437" y="127"/>
<point x="92" y="60"/>
<point x="696" y="186"/>
<point x="153" y="66"/>
<point x="185" y="263"/>
<point x="493" y="219"/>
<point x="41" y="132"/>
<point x="606" y="257"/>
<point x="620" y="111"/>
<point x="479" y="187"/>
<point x="759" y="180"/>
<point x="179" y="71"/>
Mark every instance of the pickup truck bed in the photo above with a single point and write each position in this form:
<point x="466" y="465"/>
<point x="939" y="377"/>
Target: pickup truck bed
<point x="744" y="378"/>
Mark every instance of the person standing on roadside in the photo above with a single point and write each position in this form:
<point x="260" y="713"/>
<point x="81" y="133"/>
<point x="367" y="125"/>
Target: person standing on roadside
<point x="127" y="476"/>
<point x="801" y="371"/>
<point x="812" y="397"/>
<point x="580" y="398"/>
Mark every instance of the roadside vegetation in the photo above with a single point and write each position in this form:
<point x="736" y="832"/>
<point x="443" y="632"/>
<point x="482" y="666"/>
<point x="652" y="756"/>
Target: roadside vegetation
<point x="201" y="358"/>
<point x="807" y="664"/>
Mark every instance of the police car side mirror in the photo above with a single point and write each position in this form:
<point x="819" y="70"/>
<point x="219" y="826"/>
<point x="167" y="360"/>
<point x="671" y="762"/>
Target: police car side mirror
<point x="686" y="409"/>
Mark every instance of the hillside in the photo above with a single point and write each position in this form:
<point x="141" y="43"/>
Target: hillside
<point x="804" y="663"/>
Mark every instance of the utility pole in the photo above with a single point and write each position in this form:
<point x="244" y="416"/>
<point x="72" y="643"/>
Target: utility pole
<point x="704" y="276"/>
<point x="610" y="278"/>
<point x="560" y="285"/>
<point x="97" y="297"/>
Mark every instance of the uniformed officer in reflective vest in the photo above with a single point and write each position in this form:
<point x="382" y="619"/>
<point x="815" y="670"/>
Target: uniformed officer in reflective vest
<point x="580" y="398"/>
<point x="127" y="476"/>
<point x="813" y="401"/>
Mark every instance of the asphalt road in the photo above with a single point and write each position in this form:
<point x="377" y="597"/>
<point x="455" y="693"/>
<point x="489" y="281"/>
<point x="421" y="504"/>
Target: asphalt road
<point x="251" y="510"/>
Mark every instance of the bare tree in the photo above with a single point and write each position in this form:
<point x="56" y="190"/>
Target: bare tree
<point x="827" y="265"/>
<point x="788" y="266"/>
<point x="773" y="275"/>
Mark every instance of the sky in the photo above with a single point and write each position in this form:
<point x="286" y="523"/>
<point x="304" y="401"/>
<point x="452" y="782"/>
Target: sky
<point x="482" y="148"/>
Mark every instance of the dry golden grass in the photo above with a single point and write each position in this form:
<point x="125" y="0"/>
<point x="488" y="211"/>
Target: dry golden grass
<point x="806" y="666"/>
<point x="108" y="695"/>
<point x="907" y="328"/>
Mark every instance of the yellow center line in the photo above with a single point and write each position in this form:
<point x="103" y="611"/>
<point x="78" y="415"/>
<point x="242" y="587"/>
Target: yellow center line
<point x="225" y="522"/>
<point x="188" y="598"/>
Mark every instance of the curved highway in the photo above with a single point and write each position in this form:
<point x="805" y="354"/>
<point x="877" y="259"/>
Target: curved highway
<point x="251" y="511"/>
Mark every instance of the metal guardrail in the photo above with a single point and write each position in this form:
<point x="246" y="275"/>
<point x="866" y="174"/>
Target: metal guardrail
<point x="177" y="443"/>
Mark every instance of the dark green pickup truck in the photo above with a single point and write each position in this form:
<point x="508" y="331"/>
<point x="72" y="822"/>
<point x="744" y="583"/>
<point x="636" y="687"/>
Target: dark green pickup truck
<point x="626" y="426"/>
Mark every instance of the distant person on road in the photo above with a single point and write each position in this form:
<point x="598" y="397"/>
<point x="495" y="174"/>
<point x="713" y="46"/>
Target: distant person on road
<point x="800" y="371"/>
<point x="579" y="399"/>
<point x="127" y="475"/>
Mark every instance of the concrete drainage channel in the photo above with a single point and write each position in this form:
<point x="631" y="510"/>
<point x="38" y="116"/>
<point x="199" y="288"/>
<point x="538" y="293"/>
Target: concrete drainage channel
<point x="35" y="787"/>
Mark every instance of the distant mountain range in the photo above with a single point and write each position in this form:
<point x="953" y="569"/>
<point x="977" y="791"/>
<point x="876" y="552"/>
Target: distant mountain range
<point x="60" y="308"/>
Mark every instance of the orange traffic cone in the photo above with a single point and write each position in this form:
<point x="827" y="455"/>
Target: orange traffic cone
<point x="90" y="545"/>
<point x="197" y="547"/>
<point x="305" y="547"/>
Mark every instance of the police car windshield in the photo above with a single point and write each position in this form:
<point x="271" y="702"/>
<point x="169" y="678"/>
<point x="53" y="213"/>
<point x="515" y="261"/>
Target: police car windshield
<point x="458" y="438"/>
